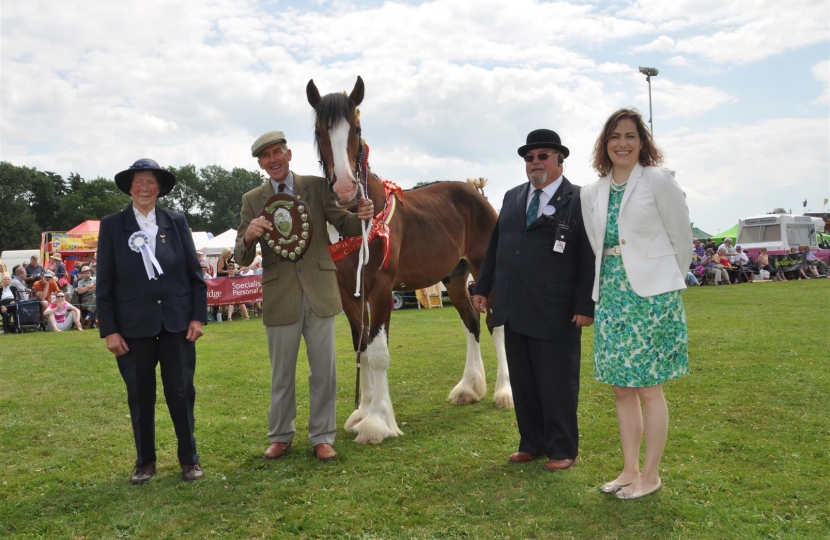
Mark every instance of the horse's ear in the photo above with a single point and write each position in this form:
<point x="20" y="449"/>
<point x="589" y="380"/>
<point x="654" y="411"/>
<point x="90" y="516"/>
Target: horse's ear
<point x="312" y="93"/>
<point x="357" y="92"/>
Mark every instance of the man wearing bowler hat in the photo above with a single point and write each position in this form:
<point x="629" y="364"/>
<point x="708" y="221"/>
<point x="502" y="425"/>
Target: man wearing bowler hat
<point x="152" y="302"/>
<point x="299" y="298"/>
<point x="540" y="268"/>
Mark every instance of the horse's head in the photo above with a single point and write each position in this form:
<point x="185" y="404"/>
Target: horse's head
<point x="337" y="133"/>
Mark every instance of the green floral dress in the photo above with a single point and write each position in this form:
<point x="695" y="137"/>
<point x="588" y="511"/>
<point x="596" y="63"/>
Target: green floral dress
<point x="638" y="341"/>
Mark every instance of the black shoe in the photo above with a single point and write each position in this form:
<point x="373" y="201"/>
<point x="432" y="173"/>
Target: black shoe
<point x="191" y="473"/>
<point x="143" y="473"/>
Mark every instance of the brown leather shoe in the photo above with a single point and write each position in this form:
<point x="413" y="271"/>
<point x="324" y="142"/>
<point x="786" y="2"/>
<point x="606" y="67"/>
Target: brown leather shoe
<point x="522" y="457"/>
<point x="324" y="452"/>
<point x="277" y="450"/>
<point x="560" y="464"/>
<point x="143" y="473"/>
<point x="191" y="473"/>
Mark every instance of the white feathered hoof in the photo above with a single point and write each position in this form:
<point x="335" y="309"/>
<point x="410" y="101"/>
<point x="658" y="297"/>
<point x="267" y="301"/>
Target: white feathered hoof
<point x="503" y="398"/>
<point x="373" y="430"/>
<point x="463" y="394"/>
<point x="354" y="419"/>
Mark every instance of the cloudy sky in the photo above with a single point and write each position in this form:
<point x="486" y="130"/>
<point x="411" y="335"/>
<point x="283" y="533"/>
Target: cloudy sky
<point x="741" y="104"/>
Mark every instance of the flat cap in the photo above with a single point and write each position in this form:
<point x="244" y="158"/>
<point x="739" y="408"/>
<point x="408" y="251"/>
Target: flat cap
<point x="266" y="140"/>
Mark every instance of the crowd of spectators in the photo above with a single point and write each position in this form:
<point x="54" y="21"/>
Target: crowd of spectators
<point x="65" y="297"/>
<point x="727" y="265"/>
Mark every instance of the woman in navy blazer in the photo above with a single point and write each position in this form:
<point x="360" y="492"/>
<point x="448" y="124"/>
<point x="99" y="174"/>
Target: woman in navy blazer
<point x="152" y="302"/>
<point x="638" y="225"/>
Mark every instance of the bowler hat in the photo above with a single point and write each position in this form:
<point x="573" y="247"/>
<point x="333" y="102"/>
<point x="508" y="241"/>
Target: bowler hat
<point x="543" y="138"/>
<point x="265" y="140"/>
<point x="124" y="179"/>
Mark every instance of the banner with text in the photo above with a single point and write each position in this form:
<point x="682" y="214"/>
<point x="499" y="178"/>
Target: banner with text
<point x="225" y="291"/>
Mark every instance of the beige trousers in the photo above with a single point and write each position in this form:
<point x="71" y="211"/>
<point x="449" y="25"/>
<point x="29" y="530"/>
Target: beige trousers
<point x="283" y="347"/>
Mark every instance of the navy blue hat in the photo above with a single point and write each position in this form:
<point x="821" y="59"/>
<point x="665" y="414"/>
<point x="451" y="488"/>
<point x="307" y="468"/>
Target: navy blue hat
<point x="543" y="138"/>
<point x="124" y="179"/>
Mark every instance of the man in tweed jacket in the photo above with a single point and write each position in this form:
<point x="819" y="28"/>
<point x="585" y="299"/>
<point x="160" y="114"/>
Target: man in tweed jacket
<point x="299" y="298"/>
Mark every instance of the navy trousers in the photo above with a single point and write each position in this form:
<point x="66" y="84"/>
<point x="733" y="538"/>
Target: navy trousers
<point x="177" y="358"/>
<point x="545" y="379"/>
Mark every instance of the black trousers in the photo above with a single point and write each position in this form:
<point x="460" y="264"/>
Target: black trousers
<point x="177" y="357"/>
<point x="11" y="310"/>
<point x="545" y="379"/>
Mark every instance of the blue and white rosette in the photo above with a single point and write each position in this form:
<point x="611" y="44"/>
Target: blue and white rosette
<point x="140" y="243"/>
<point x="548" y="211"/>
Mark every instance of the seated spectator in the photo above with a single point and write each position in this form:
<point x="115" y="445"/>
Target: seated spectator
<point x="256" y="266"/>
<point x="710" y="244"/>
<point x="57" y="267"/>
<point x="8" y="302"/>
<point x="45" y="287"/>
<point x="763" y="264"/>
<point x="205" y="270"/>
<point x="740" y="260"/>
<point x="33" y="271"/>
<point x="714" y="268"/>
<point x="61" y="314"/>
<point x="691" y="280"/>
<point x="727" y="245"/>
<point x="242" y="307"/>
<point x="202" y="259"/>
<point x="73" y="274"/>
<point x="814" y="263"/>
<point x="731" y="271"/>
<point x="86" y="294"/>
<point x="19" y="279"/>
<point x="698" y="251"/>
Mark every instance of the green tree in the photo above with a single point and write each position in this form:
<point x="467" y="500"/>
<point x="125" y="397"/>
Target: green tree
<point x="223" y="195"/>
<point x="19" y="228"/>
<point x="47" y="191"/>
<point x="187" y="197"/>
<point x="92" y="199"/>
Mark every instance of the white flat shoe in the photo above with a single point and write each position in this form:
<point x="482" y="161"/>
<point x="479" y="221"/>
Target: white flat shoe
<point x="624" y="495"/>
<point x="611" y="487"/>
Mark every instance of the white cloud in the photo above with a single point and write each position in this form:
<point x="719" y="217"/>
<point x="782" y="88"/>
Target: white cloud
<point x="739" y="31"/>
<point x="452" y="86"/>
<point x="730" y="173"/>
<point x="821" y="71"/>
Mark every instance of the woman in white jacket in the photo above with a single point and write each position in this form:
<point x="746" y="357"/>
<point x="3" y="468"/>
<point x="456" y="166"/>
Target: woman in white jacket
<point x="638" y="225"/>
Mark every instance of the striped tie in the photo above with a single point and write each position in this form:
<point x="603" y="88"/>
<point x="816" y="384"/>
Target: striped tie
<point x="533" y="209"/>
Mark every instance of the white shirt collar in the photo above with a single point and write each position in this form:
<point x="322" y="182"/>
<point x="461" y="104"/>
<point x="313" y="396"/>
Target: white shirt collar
<point x="547" y="192"/>
<point x="289" y="184"/>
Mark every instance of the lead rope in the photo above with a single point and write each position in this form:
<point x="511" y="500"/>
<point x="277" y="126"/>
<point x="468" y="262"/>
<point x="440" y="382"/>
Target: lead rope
<point x="361" y="266"/>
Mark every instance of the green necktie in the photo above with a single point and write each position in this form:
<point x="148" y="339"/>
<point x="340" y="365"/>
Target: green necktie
<point x="533" y="209"/>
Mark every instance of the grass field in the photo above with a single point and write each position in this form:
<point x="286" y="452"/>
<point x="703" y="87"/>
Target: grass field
<point x="748" y="453"/>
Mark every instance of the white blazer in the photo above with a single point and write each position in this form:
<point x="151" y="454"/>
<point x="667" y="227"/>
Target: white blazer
<point x="654" y="229"/>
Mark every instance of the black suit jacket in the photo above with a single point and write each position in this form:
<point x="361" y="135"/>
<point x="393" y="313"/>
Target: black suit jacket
<point x="536" y="289"/>
<point x="131" y="304"/>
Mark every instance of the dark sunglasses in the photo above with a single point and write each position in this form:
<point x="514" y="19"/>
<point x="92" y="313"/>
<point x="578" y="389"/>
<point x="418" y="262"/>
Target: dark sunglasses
<point x="543" y="156"/>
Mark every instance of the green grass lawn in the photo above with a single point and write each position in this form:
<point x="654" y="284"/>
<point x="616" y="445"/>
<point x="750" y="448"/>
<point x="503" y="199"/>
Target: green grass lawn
<point x="748" y="453"/>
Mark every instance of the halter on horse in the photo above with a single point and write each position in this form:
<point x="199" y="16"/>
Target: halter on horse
<point x="439" y="232"/>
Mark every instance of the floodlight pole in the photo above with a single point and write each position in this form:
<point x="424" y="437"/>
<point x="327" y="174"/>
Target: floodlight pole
<point x="649" y="72"/>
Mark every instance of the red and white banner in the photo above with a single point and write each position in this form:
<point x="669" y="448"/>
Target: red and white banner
<point x="236" y="290"/>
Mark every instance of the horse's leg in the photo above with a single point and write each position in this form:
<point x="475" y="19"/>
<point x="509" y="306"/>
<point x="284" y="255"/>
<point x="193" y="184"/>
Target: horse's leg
<point x="473" y="384"/>
<point x="379" y="423"/>
<point x="503" y="396"/>
<point x="352" y="309"/>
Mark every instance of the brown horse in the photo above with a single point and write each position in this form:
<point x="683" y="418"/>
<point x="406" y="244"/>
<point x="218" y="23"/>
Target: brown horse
<point x="438" y="232"/>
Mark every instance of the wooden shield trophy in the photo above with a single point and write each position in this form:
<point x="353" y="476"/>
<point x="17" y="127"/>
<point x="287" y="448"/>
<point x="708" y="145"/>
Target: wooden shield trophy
<point x="291" y="219"/>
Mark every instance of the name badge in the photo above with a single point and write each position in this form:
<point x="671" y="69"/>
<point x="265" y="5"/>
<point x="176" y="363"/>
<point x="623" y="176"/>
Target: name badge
<point x="561" y="238"/>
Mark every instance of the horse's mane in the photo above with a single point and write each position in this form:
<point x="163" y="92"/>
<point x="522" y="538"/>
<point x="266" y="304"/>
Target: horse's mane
<point x="330" y="109"/>
<point x="425" y="184"/>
